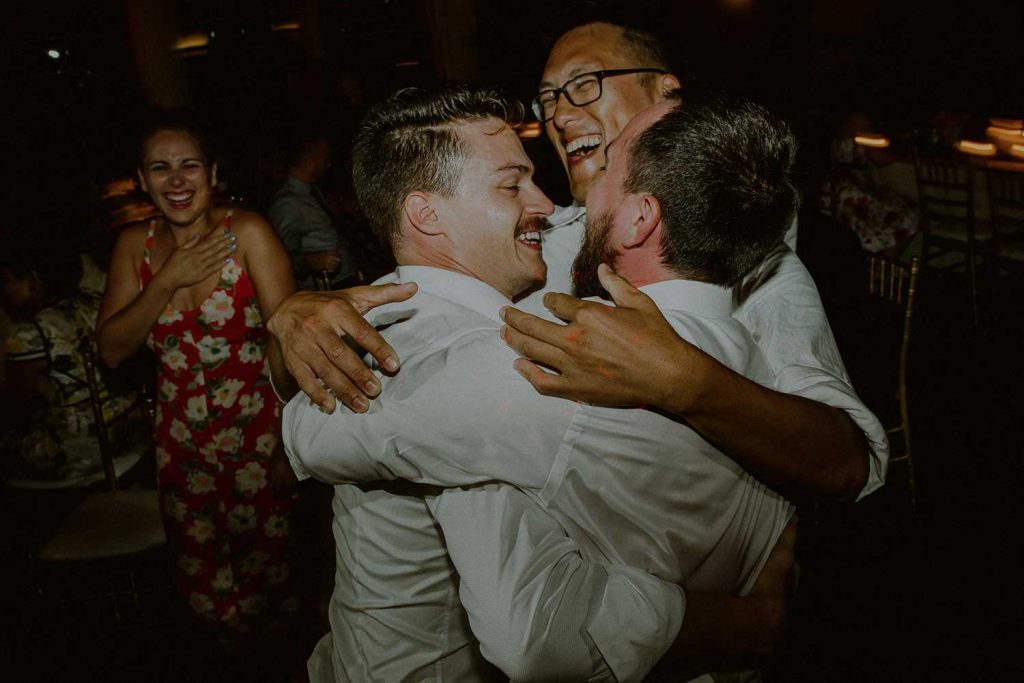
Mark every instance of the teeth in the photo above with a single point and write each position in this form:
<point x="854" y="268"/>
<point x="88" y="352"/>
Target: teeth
<point x="529" y="237"/>
<point x="179" y="197"/>
<point x="585" y="141"/>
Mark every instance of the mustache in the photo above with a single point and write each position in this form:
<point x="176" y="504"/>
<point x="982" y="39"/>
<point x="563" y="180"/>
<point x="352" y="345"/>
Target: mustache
<point x="533" y="224"/>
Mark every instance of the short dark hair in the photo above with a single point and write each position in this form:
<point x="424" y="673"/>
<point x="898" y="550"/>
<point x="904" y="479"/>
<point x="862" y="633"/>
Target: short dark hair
<point x="409" y="142"/>
<point x="642" y="46"/>
<point x="177" y="119"/>
<point x="722" y="169"/>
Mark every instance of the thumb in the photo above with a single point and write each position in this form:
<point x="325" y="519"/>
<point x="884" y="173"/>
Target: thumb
<point x="365" y="298"/>
<point x="622" y="292"/>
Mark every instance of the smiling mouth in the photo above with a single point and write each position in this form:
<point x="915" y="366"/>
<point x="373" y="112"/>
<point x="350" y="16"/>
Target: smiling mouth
<point x="179" y="200"/>
<point x="582" y="147"/>
<point x="530" y="239"/>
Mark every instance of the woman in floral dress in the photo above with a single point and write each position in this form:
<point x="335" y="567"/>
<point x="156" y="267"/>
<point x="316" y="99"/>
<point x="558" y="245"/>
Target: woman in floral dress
<point x="196" y="286"/>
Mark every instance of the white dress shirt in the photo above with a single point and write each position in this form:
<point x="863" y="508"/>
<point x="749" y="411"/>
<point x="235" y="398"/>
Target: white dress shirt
<point x="780" y="306"/>
<point x="638" y="492"/>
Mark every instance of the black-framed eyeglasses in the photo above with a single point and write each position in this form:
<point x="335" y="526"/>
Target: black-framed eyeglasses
<point x="580" y="91"/>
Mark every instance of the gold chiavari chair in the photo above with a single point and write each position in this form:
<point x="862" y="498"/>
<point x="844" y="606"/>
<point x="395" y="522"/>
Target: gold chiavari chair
<point x="945" y="190"/>
<point x="892" y="287"/>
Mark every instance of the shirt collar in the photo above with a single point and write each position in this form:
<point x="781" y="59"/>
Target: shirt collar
<point x="689" y="296"/>
<point x="566" y="215"/>
<point x="299" y="185"/>
<point x="458" y="288"/>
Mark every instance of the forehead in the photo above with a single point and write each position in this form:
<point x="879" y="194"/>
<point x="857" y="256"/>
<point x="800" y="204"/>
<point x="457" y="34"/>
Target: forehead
<point x="589" y="48"/>
<point x="493" y="145"/>
<point x="172" y="142"/>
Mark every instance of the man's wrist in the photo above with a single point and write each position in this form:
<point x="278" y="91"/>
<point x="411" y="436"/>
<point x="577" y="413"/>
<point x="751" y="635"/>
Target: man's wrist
<point x="685" y="383"/>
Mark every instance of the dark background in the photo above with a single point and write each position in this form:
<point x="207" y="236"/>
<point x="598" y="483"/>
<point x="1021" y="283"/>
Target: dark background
<point x="889" y="592"/>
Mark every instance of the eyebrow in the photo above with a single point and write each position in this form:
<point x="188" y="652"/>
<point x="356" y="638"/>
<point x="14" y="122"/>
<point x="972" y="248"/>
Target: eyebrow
<point x="586" y="69"/>
<point x="521" y="168"/>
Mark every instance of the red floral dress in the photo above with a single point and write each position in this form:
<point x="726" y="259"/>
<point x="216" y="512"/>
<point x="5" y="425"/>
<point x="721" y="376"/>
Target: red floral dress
<point x="217" y="422"/>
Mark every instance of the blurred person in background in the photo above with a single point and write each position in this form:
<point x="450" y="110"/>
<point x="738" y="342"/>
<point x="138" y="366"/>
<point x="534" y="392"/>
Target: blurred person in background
<point x="321" y="257"/>
<point x="49" y="430"/>
<point x="195" y="284"/>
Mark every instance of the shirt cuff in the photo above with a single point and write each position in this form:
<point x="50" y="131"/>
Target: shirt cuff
<point x="637" y="622"/>
<point x="301" y="473"/>
<point x="808" y="383"/>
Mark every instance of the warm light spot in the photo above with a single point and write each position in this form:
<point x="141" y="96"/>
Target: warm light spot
<point x="1008" y="124"/>
<point x="53" y="54"/>
<point x="981" y="149"/>
<point x="736" y="5"/>
<point x="1017" y="150"/>
<point x="408" y="62"/>
<point x="529" y="130"/>
<point x="286" y="26"/>
<point x="871" y="140"/>
<point x="191" y="41"/>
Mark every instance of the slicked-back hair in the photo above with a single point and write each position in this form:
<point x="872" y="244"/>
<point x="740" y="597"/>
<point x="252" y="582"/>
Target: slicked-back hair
<point x="410" y="142"/>
<point x="721" y="168"/>
<point x="176" y="119"/>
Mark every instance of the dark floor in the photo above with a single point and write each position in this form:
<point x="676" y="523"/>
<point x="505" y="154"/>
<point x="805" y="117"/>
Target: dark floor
<point x="888" y="593"/>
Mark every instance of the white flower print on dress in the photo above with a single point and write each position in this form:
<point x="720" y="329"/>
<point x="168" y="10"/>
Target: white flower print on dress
<point x="231" y="272"/>
<point x="254" y="561"/>
<point x="226" y="394"/>
<point x="175" y="359"/>
<point x="189" y="565"/>
<point x="251" y="352"/>
<point x="195" y="409"/>
<point x="163" y="457"/>
<point x="202" y="530"/>
<point x="213" y="350"/>
<point x="200" y="603"/>
<point x="179" y="432"/>
<point x="219" y="308"/>
<point x="170" y="315"/>
<point x="277" y="573"/>
<point x="251" y="478"/>
<point x="228" y="440"/>
<point x="265" y="443"/>
<point x="223" y="579"/>
<point x="253" y="318"/>
<point x="253" y="604"/>
<point x="276" y="526"/>
<point x="168" y="390"/>
<point x="251" y="404"/>
<point x="241" y="519"/>
<point x="175" y="508"/>
<point x="201" y="482"/>
<point x="209" y="453"/>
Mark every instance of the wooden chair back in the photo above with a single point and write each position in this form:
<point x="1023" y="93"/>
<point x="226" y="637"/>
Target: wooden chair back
<point x="1006" y="210"/>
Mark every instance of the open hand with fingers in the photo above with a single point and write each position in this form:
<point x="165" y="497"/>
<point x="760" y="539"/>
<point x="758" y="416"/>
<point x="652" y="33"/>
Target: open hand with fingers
<point x="198" y="258"/>
<point x="615" y="356"/>
<point x="311" y="328"/>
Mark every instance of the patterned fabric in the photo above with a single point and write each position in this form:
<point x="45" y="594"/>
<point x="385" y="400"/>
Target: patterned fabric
<point x="217" y="422"/>
<point x="881" y="218"/>
<point x="59" y="442"/>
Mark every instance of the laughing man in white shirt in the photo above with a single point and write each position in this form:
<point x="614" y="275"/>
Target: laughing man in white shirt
<point x="571" y="573"/>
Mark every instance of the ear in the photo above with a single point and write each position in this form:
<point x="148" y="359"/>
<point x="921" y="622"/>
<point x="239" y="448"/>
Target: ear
<point x="646" y="223"/>
<point x="667" y="83"/>
<point x="213" y="174"/>
<point x="419" y="210"/>
<point x="142" y="180"/>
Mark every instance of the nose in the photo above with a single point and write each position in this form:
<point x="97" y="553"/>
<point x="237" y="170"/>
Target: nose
<point x="540" y="204"/>
<point x="565" y="111"/>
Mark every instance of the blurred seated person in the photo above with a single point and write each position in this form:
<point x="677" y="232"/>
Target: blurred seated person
<point x="306" y="223"/>
<point x="883" y="220"/>
<point x="49" y="431"/>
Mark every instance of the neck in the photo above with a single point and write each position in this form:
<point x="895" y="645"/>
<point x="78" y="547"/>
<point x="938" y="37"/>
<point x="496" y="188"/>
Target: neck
<point x="202" y="225"/>
<point x="411" y="255"/>
<point x="643" y="267"/>
<point x="302" y="174"/>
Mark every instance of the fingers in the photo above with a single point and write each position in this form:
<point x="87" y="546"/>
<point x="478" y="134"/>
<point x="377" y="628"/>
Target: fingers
<point x="622" y="292"/>
<point x="371" y="296"/>
<point x="534" y="349"/>
<point x="564" y="306"/>
<point x="546" y="383"/>
<point x="309" y="385"/>
<point x="538" y="328"/>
